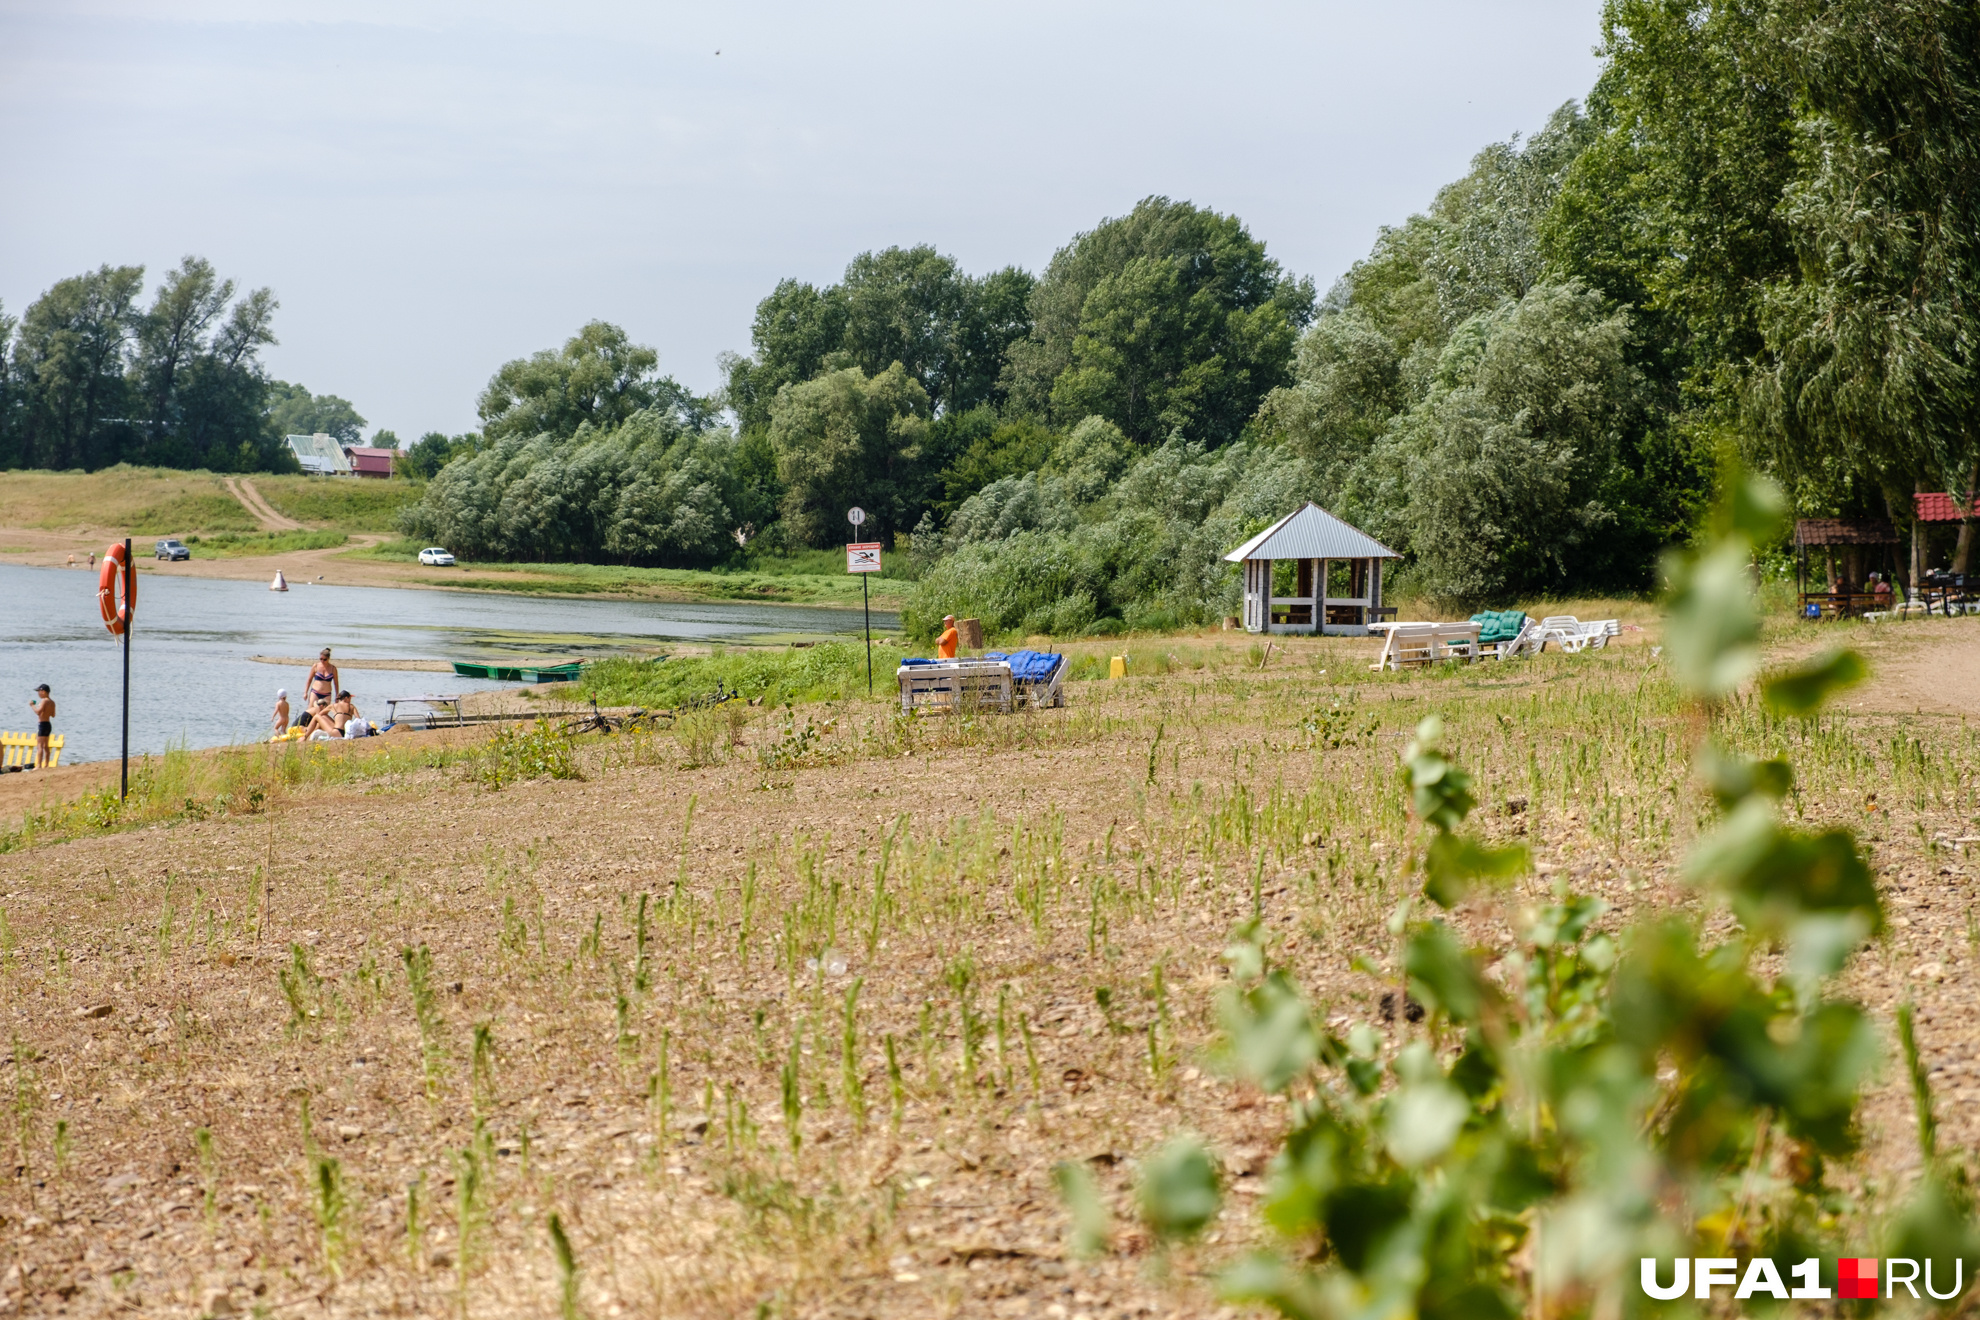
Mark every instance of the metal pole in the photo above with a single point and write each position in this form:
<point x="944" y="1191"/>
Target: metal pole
<point x="866" y="604"/>
<point x="130" y="618"/>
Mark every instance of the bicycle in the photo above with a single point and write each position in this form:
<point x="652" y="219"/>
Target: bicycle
<point x="599" y="722"/>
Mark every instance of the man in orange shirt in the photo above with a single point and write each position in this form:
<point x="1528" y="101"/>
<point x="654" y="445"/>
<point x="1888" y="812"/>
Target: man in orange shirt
<point x="945" y="648"/>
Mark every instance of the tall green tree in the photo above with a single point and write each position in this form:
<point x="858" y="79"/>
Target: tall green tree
<point x="599" y="377"/>
<point x="1674" y="208"/>
<point x="1170" y="319"/>
<point x="844" y="439"/>
<point x="69" y="363"/>
<point x="915" y="306"/>
<point x="1873" y="343"/>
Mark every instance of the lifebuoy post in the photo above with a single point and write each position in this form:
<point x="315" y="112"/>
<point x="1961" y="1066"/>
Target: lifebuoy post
<point x="119" y="570"/>
<point x="130" y="596"/>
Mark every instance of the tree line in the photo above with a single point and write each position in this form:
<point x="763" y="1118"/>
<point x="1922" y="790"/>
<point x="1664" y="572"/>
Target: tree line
<point x="91" y="376"/>
<point x="1757" y="237"/>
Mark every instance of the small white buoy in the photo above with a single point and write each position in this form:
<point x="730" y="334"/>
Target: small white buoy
<point x="280" y="583"/>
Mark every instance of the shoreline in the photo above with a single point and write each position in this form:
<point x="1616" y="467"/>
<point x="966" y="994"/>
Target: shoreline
<point x="345" y="566"/>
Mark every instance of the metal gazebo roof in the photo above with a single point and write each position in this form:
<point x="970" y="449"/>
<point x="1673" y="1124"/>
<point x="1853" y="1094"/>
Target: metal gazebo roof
<point x="1311" y="533"/>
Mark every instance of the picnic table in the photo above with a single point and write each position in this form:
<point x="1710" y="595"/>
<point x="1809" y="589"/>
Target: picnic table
<point x="1425" y="643"/>
<point x="434" y="705"/>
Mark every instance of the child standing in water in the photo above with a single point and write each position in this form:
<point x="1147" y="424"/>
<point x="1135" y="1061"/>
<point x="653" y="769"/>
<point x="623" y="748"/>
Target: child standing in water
<point x="43" y="707"/>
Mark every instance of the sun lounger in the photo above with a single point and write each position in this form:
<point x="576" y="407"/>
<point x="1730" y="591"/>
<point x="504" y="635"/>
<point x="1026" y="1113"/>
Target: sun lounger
<point x="1037" y="677"/>
<point x="1573" y="636"/>
<point x="1503" y="634"/>
<point x="1424" y="643"/>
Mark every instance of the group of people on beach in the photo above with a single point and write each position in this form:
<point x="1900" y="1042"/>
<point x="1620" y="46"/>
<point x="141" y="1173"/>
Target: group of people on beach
<point x="328" y="710"/>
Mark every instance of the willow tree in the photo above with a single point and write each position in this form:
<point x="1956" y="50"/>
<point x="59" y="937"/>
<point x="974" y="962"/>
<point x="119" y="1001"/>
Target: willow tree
<point x="1873" y="346"/>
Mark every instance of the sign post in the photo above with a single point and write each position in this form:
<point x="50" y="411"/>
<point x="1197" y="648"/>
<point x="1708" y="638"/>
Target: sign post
<point x="863" y="557"/>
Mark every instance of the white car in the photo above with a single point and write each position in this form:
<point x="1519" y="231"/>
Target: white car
<point x="434" y="557"/>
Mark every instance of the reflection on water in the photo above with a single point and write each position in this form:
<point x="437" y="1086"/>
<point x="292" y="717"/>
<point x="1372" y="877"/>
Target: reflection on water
<point x="191" y="678"/>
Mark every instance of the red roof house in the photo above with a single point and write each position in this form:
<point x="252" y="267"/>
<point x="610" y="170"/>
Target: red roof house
<point x="370" y="462"/>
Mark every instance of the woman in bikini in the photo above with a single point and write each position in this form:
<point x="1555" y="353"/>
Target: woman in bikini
<point x="322" y="686"/>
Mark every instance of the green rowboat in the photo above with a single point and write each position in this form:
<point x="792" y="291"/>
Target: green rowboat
<point x="560" y="673"/>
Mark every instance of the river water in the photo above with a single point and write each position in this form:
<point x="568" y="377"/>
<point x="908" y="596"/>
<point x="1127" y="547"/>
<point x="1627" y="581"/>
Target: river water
<point x="192" y="680"/>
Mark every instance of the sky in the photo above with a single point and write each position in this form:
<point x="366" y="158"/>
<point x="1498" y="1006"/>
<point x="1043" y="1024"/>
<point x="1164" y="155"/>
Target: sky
<point x="433" y="187"/>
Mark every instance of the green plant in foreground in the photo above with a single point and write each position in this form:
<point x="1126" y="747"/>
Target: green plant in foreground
<point x="470" y="1209"/>
<point x="515" y="754"/>
<point x="327" y="1199"/>
<point x="418" y="963"/>
<point x="567" y="1269"/>
<point x="1597" y="1100"/>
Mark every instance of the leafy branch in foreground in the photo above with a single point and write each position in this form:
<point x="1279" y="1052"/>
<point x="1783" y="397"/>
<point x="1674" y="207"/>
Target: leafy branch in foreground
<point x="1579" y="1101"/>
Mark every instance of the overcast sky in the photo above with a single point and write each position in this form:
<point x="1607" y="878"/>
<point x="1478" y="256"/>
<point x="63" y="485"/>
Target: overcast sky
<point x="434" y="186"/>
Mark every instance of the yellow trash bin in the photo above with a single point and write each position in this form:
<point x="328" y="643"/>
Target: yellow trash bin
<point x="1117" y="667"/>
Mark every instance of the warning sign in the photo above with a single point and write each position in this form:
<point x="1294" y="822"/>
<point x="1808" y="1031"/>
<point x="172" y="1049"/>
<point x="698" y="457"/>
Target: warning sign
<point x="863" y="557"/>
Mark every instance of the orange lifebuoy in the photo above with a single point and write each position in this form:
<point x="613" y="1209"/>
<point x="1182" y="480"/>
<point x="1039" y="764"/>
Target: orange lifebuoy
<point x="116" y="614"/>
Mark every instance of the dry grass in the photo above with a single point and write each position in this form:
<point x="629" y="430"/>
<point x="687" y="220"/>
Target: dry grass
<point x="792" y="1013"/>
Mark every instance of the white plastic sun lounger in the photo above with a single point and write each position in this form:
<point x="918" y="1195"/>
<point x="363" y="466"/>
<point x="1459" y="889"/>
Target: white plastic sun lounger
<point x="1572" y="635"/>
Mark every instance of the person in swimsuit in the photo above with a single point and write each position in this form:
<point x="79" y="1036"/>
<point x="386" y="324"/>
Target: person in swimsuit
<point x="330" y="721"/>
<point x="322" y="686"/>
<point x="43" y="707"/>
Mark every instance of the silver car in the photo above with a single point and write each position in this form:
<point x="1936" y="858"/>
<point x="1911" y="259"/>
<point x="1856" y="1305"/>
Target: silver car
<point x="171" y="548"/>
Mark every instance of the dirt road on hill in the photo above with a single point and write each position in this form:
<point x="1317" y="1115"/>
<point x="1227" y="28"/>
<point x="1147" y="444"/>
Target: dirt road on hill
<point x="263" y="512"/>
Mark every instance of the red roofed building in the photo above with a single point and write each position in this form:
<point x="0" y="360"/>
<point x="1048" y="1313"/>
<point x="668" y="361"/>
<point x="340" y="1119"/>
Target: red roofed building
<point x="1936" y="506"/>
<point x="369" y="462"/>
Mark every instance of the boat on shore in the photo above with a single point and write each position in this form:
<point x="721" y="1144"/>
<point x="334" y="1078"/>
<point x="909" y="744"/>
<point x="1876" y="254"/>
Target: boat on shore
<point x="563" y="672"/>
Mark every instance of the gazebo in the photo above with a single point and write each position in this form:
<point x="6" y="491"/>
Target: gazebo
<point x="1336" y="578"/>
<point x="1856" y="536"/>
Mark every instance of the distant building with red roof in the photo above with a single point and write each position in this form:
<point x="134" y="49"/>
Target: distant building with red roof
<point x="370" y="462"/>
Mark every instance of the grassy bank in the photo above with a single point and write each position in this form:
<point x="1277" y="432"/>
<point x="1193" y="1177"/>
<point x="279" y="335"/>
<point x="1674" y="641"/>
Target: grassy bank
<point x="227" y="782"/>
<point x="123" y="499"/>
<point x="831" y="671"/>
<point x="141" y="501"/>
<point x="767" y="584"/>
<point x="348" y="505"/>
<point x="235" y="545"/>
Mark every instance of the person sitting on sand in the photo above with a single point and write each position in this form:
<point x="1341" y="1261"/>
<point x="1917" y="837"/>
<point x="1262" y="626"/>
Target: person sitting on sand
<point x="281" y="710"/>
<point x="322" y="682"/>
<point x="329" y="722"/>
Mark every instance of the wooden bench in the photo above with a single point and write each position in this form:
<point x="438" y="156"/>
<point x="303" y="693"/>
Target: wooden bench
<point x="1425" y="643"/>
<point x="17" y="751"/>
<point x="956" y="685"/>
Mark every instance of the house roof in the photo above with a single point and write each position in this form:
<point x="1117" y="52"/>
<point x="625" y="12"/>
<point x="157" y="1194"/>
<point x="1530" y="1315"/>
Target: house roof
<point x="1844" y="531"/>
<point x="329" y="455"/>
<point x="1311" y="533"/>
<point x="1937" y="506"/>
